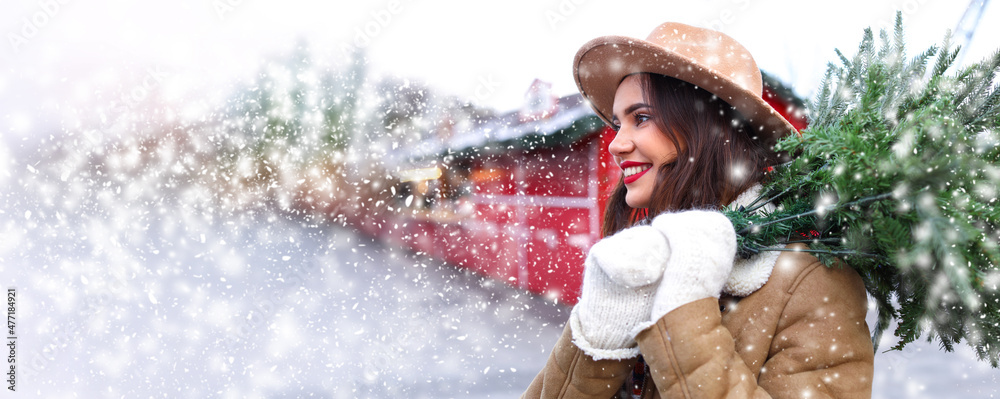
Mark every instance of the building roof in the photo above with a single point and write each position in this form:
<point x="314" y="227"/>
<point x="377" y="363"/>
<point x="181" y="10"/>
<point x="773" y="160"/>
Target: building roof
<point x="568" y="119"/>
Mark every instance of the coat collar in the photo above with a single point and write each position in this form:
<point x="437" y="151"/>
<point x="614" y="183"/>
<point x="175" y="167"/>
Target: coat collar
<point x="749" y="275"/>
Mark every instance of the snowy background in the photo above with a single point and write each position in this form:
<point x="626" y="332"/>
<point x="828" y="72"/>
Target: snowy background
<point x="147" y="265"/>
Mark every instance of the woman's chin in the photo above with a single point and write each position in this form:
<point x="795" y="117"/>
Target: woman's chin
<point x="637" y="202"/>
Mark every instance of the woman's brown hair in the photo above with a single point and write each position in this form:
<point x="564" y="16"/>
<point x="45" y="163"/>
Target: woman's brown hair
<point x="717" y="156"/>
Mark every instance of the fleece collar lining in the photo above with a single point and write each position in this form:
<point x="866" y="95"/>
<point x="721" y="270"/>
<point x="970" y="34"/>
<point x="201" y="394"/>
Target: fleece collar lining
<point x="749" y="275"/>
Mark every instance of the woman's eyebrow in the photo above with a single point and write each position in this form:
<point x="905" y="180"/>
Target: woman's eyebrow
<point x="631" y="109"/>
<point x="634" y="107"/>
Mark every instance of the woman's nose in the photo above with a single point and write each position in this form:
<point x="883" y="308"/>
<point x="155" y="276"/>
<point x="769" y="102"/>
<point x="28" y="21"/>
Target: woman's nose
<point x="621" y="144"/>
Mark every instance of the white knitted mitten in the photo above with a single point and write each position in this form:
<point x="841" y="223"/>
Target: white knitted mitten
<point x="619" y="282"/>
<point x="702" y="250"/>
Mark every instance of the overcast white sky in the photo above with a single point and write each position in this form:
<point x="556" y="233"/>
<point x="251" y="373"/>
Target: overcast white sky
<point x="77" y="55"/>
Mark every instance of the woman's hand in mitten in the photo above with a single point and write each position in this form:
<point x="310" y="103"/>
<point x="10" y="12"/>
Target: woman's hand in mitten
<point x="619" y="283"/>
<point x="702" y="250"/>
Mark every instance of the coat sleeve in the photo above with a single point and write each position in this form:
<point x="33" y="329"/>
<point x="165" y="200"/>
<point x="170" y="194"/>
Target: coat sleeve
<point x="821" y="345"/>
<point x="571" y="373"/>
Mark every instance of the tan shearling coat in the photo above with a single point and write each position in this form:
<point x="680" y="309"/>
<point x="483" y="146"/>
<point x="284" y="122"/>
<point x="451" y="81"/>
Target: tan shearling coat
<point x="800" y="335"/>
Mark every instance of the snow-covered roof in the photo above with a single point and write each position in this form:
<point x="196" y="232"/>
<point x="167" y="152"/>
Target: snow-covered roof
<point x="570" y="119"/>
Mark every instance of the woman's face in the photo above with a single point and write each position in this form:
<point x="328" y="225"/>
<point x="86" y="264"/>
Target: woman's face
<point x="640" y="148"/>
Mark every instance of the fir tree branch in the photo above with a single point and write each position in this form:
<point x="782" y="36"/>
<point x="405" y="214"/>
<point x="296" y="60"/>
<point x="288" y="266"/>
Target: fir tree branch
<point x="814" y="240"/>
<point x="830" y="208"/>
<point x="755" y="206"/>
<point x="824" y="251"/>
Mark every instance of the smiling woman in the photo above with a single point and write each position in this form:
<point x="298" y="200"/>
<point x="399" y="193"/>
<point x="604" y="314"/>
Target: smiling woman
<point x="696" y="145"/>
<point x="639" y="145"/>
<point x="667" y="309"/>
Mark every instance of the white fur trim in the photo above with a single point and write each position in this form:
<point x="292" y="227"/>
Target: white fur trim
<point x="749" y="275"/>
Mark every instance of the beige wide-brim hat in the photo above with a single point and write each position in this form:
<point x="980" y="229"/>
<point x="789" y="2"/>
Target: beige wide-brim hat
<point x="705" y="58"/>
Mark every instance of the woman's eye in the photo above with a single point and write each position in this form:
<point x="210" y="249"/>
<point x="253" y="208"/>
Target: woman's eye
<point x="640" y="118"/>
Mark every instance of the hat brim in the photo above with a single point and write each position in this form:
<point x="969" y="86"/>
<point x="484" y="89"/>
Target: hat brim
<point x="601" y="65"/>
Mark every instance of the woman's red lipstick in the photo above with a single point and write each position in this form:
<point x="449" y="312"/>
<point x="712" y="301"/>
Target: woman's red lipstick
<point x="628" y="164"/>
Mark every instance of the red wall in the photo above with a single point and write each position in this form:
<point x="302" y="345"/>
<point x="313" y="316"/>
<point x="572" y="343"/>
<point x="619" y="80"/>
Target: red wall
<point x="535" y="215"/>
